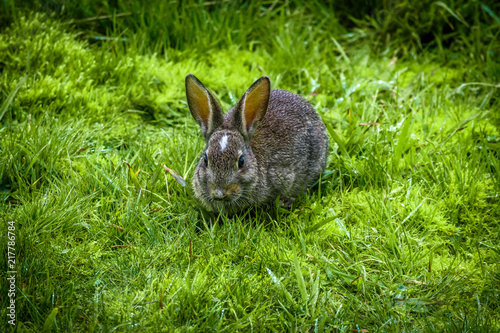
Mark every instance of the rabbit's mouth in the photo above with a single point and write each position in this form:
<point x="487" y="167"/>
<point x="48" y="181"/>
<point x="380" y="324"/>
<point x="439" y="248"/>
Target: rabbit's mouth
<point x="226" y="199"/>
<point x="224" y="194"/>
<point x="230" y="198"/>
<point x="222" y="200"/>
<point x="227" y="203"/>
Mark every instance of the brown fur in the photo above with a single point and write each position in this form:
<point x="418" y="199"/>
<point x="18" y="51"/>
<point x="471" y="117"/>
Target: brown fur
<point x="280" y="136"/>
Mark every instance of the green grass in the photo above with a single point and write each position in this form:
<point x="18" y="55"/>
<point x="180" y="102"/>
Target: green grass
<point x="403" y="233"/>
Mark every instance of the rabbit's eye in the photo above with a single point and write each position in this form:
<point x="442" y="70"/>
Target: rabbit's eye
<point x="205" y="160"/>
<point x="241" y="162"/>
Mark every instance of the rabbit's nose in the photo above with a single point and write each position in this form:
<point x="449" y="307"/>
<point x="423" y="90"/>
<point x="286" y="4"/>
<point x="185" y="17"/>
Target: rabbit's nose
<point x="218" y="194"/>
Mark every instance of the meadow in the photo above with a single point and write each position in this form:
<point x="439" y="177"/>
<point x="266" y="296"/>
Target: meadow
<point x="402" y="234"/>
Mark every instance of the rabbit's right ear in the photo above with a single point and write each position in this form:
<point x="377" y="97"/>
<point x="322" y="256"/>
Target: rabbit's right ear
<point x="252" y="107"/>
<point x="203" y="106"/>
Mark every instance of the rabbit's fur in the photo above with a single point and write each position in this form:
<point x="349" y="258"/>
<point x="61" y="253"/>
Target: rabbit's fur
<point x="272" y="143"/>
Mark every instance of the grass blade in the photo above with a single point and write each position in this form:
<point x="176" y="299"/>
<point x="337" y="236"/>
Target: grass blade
<point x="402" y="140"/>
<point x="281" y="288"/>
<point x="50" y="321"/>
<point x="176" y="176"/>
<point x="134" y="178"/>
<point x="8" y="101"/>
<point x="319" y="224"/>
<point x="337" y="140"/>
<point x="300" y="277"/>
<point x="342" y="226"/>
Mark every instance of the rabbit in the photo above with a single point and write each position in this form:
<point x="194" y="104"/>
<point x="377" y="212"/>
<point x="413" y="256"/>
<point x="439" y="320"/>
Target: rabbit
<point x="272" y="143"/>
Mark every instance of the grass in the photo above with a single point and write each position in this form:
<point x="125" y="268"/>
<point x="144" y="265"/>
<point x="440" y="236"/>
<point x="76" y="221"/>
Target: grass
<point x="402" y="234"/>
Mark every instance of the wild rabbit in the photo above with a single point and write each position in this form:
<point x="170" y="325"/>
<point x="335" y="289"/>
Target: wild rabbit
<point x="272" y="143"/>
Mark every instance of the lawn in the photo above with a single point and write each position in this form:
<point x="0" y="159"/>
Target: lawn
<point x="401" y="234"/>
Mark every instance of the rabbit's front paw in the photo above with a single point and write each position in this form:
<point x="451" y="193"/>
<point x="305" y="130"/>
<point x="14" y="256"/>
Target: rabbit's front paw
<point x="286" y="202"/>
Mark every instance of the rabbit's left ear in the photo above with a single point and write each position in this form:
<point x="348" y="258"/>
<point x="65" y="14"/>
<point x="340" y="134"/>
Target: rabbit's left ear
<point x="252" y="107"/>
<point x="203" y="106"/>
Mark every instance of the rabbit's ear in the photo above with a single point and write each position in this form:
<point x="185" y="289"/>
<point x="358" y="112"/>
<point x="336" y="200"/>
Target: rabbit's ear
<point x="203" y="106"/>
<point x="252" y="107"/>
